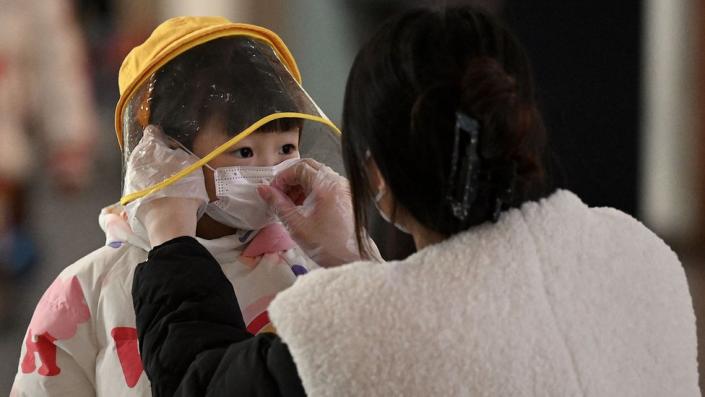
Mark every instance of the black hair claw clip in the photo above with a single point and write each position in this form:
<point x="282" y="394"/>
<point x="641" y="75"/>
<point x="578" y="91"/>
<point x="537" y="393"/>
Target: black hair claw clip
<point x="461" y="190"/>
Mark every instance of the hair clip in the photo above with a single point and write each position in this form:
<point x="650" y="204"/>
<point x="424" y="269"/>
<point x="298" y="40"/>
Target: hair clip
<point x="463" y="174"/>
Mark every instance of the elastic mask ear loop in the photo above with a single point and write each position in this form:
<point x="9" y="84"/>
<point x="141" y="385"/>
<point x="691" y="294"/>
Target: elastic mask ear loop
<point x="463" y="173"/>
<point x="181" y="145"/>
<point x="381" y="190"/>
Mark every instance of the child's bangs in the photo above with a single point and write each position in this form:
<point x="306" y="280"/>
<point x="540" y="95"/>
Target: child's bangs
<point x="283" y="125"/>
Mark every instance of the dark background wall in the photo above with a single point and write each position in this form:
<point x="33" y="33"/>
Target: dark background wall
<point x="586" y="58"/>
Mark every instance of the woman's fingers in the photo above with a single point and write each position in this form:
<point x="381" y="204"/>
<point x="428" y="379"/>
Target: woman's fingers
<point x="280" y="204"/>
<point x="301" y="174"/>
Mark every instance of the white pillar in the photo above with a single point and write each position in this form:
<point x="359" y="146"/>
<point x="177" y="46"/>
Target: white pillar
<point x="319" y="35"/>
<point x="668" y="177"/>
<point x="237" y="11"/>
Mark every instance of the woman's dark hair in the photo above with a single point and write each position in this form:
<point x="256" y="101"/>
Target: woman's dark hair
<point x="419" y="91"/>
<point x="226" y="80"/>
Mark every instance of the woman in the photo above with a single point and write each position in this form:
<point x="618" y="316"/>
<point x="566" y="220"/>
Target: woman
<point x="513" y="291"/>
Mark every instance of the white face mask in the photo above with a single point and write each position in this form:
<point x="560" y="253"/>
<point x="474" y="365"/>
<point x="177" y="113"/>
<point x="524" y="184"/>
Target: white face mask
<point x="238" y="204"/>
<point x="381" y="191"/>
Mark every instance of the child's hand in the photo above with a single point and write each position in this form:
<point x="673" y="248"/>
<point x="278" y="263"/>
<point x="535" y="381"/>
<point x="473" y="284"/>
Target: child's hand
<point x="169" y="217"/>
<point x="172" y="211"/>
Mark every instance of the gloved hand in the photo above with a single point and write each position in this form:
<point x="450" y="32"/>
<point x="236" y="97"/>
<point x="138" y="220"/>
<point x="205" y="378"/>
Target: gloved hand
<point x="174" y="210"/>
<point x="314" y="204"/>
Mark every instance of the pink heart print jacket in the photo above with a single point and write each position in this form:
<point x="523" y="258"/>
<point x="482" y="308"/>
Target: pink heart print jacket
<point x="82" y="339"/>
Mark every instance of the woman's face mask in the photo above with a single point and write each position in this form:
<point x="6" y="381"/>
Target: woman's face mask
<point x="381" y="192"/>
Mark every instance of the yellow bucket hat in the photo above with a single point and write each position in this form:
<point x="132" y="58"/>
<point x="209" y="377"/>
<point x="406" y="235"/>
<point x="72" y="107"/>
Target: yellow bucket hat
<point x="177" y="35"/>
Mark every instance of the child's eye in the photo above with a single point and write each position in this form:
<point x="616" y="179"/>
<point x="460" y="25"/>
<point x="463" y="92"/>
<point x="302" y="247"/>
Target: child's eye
<point x="243" y="153"/>
<point x="288" y="149"/>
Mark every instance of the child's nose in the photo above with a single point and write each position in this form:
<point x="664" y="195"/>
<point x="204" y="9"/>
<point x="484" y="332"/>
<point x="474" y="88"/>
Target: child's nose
<point x="267" y="160"/>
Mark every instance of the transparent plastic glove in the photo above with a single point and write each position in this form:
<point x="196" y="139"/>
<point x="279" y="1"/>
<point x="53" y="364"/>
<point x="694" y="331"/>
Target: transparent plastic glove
<point x="174" y="210"/>
<point x="314" y="204"/>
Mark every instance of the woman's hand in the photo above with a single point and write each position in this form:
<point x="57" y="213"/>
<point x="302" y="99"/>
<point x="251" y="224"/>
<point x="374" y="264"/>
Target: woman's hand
<point x="314" y="204"/>
<point x="172" y="211"/>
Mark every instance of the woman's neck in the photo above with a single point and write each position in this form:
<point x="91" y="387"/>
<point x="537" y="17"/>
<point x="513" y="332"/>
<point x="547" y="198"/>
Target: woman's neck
<point x="424" y="240"/>
<point x="423" y="237"/>
<point x="209" y="229"/>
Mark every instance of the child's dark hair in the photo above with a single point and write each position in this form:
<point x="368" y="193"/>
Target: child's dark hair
<point x="233" y="80"/>
<point x="425" y="80"/>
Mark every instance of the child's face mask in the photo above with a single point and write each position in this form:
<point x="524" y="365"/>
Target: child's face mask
<point x="238" y="204"/>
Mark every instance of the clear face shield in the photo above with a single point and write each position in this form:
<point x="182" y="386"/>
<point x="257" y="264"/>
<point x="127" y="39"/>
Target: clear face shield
<point x="230" y="101"/>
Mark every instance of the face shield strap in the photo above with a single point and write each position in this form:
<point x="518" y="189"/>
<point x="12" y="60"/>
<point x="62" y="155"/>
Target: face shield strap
<point x="181" y="145"/>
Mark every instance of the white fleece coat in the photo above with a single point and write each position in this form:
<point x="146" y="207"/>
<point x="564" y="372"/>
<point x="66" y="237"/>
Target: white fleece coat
<point x="556" y="299"/>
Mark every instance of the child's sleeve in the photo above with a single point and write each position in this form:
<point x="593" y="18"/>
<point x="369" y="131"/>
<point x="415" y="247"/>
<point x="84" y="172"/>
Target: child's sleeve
<point x="58" y="351"/>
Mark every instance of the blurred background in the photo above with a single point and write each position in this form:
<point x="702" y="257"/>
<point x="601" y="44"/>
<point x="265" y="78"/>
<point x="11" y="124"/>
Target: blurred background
<point x="621" y="85"/>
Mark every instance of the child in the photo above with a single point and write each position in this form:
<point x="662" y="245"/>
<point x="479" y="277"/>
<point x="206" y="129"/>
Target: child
<point x="229" y="94"/>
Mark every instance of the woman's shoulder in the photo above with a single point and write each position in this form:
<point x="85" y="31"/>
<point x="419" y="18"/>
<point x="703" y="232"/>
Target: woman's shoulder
<point x="562" y="222"/>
